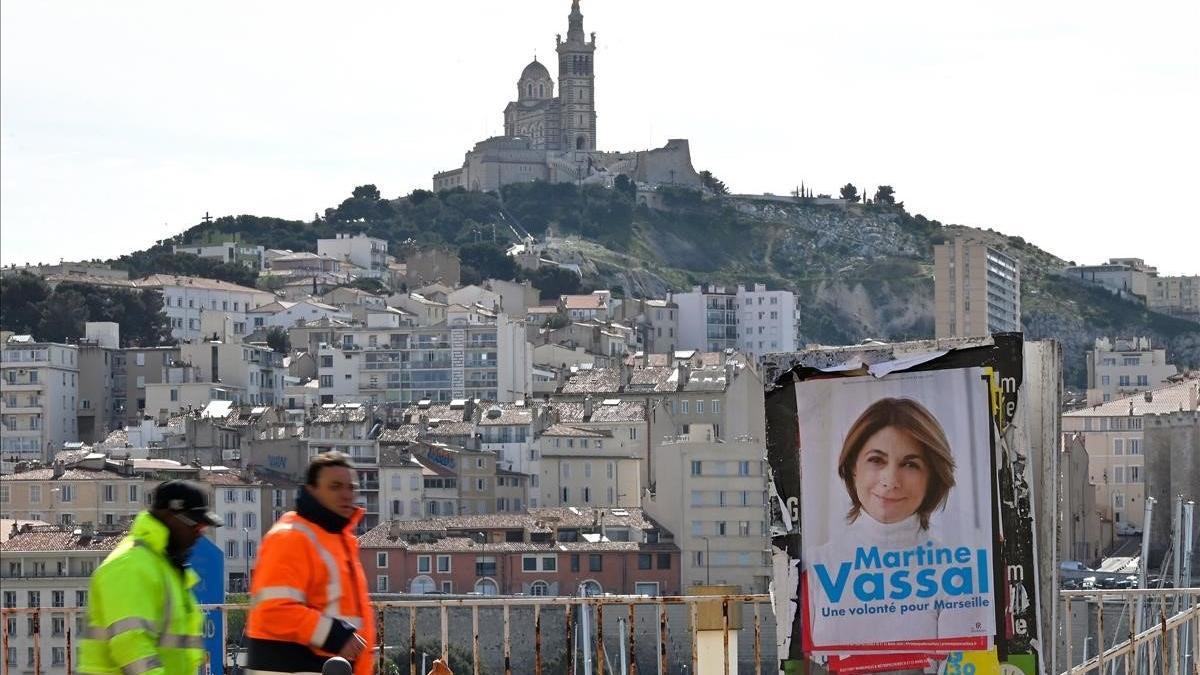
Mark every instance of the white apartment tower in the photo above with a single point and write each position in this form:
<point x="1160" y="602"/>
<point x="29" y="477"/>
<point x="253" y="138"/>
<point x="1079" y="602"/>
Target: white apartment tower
<point x="768" y="321"/>
<point x="39" y="388"/>
<point x="977" y="290"/>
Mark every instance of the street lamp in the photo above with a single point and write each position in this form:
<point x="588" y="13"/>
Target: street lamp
<point x="246" y="550"/>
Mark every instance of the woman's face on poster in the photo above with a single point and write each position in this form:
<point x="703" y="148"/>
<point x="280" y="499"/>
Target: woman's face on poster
<point x="891" y="475"/>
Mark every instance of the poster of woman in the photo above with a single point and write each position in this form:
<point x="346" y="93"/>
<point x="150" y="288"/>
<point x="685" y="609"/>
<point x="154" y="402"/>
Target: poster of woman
<point x="896" y="511"/>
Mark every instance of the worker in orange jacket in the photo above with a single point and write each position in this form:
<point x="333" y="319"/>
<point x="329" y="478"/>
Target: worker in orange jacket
<point x="309" y="597"/>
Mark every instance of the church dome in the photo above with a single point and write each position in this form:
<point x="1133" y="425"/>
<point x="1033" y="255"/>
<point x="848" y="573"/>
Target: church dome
<point x="535" y="71"/>
<point x="535" y="83"/>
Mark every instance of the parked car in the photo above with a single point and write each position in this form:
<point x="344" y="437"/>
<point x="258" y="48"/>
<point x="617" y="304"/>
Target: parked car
<point x="1073" y="566"/>
<point x="1127" y="529"/>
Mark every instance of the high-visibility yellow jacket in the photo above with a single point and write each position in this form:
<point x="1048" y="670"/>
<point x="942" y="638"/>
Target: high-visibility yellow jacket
<point x="141" y="614"/>
<point x="308" y="594"/>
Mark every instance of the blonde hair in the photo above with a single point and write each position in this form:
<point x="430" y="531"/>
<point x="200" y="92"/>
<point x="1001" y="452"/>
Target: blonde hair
<point x="915" y="420"/>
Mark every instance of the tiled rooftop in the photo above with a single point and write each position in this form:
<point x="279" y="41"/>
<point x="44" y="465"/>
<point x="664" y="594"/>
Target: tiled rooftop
<point x="1166" y="399"/>
<point x="52" y="538"/>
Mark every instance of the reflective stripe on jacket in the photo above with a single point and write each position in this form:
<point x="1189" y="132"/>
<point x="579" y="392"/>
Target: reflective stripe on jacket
<point x="308" y="592"/>
<point x="141" y="614"/>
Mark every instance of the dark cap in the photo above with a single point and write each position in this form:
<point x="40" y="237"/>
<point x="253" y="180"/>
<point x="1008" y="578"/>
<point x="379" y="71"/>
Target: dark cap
<point x="187" y="499"/>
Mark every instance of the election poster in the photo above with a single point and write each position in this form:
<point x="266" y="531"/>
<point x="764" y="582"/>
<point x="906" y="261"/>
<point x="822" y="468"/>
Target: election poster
<point x="897" y="518"/>
<point x="920" y="554"/>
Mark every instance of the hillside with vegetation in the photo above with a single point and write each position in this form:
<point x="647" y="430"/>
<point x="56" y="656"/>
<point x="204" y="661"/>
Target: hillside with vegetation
<point x="861" y="270"/>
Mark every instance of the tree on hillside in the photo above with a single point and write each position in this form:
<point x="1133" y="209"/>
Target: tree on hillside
<point x="553" y="282"/>
<point x="163" y="261"/>
<point x="365" y="203"/>
<point x="63" y="319"/>
<point x="369" y="285"/>
<point x="849" y="192"/>
<point x="884" y="194"/>
<point x="20" y="296"/>
<point x="278" y="340"/>
<point x="713" y="183"/>
<point x="625" y="185"/>
<point x="486" y="261"/>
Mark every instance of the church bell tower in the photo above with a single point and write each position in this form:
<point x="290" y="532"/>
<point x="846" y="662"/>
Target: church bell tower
<point x="576" y="85"/>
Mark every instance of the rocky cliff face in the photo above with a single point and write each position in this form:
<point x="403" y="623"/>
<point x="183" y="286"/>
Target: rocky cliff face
<point x="861" y="271"/>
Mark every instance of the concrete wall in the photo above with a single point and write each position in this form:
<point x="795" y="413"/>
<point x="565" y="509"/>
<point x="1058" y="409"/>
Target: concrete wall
<point x="553" y="643"/>
<point x="1172" y="446"/>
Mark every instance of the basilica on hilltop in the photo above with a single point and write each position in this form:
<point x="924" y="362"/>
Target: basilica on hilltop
<point x="553" y="138"/>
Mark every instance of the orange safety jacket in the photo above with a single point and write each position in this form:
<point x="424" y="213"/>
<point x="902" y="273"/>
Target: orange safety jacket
<point x="309" y="594"/>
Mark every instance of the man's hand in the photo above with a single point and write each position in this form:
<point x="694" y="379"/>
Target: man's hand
<point x="353" y="647"/>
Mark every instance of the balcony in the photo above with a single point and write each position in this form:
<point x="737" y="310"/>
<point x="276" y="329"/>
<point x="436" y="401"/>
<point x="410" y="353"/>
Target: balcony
<point x="22" y="405"/>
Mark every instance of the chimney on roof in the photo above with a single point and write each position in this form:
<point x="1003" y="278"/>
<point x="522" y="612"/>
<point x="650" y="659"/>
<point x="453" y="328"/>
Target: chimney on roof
<point x="14" y="531"/>
<point x="394" y="529"/>
<point x="730" y="371"/>
<point x="58" y="468"/>
<point x="685" y="374"/>
<point x="587" y="408"/>
<point x="422" y="425"/>
<point x="1194" y="396"/>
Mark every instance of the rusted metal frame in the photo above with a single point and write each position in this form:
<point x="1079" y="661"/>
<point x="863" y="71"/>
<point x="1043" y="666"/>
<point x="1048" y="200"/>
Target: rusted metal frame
<point x="445" y="615"/>
<point x="1100" y="633"/>
<point x="507" y="645"/>
<point x="37" y="642"/>
<point x="380" y="632"/>
<point x="695" y="640"/>
<point x="633" y="669"/>
<point x="570" y="641"/>
<point x="537" y="640"/>
<point x="663" y="666"/>
<point x="757" y="642"/>
<point x="475" y="639"/>
<point x="412" y="641"/>
<point x="599" y="637"/>
<point x="1067" y="626"/>
<point x="4" y="641"/>
<point x="725" y="631"/>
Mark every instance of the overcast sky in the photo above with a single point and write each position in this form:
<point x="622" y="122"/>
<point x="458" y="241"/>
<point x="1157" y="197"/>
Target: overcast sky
<point x="1072" y="124"/>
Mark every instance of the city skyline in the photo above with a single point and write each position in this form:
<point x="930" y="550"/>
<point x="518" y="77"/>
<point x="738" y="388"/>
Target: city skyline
<point x="1066" y="126"/>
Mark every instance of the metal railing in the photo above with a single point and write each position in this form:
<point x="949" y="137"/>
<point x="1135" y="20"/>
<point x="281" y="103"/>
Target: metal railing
<point x="618" y="634"/>
<point x="1131" y="631"/>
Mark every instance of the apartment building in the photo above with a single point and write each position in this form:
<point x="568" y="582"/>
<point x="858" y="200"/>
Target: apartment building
<point x="369" y="253"/>
<point x="507" y="430"/>
<point x="1123" y="276"/>
<point x="768" y="321"/>
<point x="708" y="318"/>
<point x="238" y="499"/>
<point x="587" y="467"/>
<point x="591" y="307"/>
<point x="717" y="505"/>
<point x="471" y="354"/>
<point x="84" y="492"/>
<point x="1177" y="296"/>
<point x="554" y="551"/>
<point x="1124" y="366"/>
<point x="101" y="402"/>
<point x="284" y="314"/>
<point x="440" y="485"/>
<point x="138" y="367"/>
<point x="38" y="398"/>
<point x="48" y="567"/>
<point x="977" y="290"/>
<point x="229" y="252"/>
<point x="352" y="429"/>
<point x="186" y="299"/>
<point x="655" y="322"/>
<point x="401" y="482"/>
<point x="1112" y="434"/>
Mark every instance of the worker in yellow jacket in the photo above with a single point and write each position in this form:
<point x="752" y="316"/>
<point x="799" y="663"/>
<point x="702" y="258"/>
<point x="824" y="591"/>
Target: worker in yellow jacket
<point x="142" y="616"/>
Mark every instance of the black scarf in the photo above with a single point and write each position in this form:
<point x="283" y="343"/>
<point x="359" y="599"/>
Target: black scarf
<point x="310" y="509"/>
